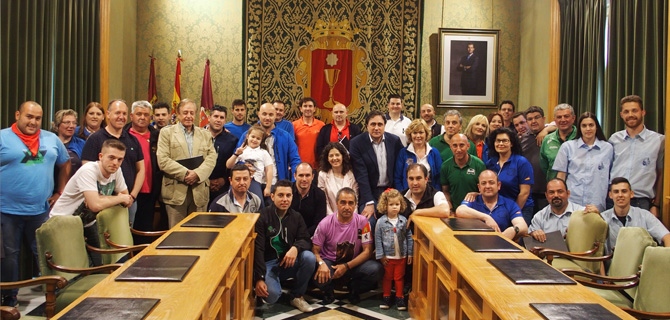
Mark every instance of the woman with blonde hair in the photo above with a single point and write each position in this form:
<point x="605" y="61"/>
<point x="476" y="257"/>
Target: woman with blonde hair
<point x="476" y="131"/>
<point x="65" y="122"/>
<point x="417" y="151"/>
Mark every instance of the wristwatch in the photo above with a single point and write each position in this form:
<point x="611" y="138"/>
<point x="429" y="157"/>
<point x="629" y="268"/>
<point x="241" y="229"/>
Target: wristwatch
<point x="320" y="262"/>
<point x="516" y="230"/>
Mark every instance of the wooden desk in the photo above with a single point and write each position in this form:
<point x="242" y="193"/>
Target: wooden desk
<point x="452" y="282"/>
<point x="217" y="287"/>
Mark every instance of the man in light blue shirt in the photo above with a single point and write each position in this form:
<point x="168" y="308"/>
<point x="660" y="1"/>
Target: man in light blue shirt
<point x="638" y="155"/>
<point x="556" y="215"/>
<point x="625" y="215"/>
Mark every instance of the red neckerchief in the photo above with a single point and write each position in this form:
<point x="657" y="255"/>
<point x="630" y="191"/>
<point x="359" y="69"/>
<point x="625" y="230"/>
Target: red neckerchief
<point x="31" y="141"/>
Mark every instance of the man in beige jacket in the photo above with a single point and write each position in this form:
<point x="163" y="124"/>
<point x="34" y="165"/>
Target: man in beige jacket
<point x="187" y="157"/>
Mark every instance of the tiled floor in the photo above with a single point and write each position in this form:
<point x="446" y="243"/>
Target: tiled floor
<point x="368" y="308"/>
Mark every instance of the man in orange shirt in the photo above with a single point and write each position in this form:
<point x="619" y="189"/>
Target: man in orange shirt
<point x="306" y="131"/>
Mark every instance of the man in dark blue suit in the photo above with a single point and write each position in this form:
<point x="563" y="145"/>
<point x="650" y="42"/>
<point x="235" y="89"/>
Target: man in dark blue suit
<point x="469" y="67"/>
<point x="373" y="156"/>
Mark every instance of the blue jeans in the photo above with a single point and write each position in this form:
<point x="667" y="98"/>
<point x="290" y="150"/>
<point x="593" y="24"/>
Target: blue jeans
<point x="257" y="189"/>
<point x="15" y="228"/>
<point x="360" y="279"/>
<point x="131" y="213"/>
<point x="302" y="270"/>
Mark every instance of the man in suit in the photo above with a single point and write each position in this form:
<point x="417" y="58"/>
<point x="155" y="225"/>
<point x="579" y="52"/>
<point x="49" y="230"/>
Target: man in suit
<point x="340" y="130"/>
<point x="373" y="156"/>
<point x="185" y="190"/>
<point x="468" y="66"/>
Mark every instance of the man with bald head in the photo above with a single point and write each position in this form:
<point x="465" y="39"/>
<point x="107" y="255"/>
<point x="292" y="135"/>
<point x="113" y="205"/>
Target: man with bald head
<point x="280" y="144"/>
<point x="460" y="173"/>
<point x="29" y="156"/>
<point x="132" y="167"/>
<point x="498" y="212"/>
<point x="339" y="130"/>
<point x="428" y="114"/>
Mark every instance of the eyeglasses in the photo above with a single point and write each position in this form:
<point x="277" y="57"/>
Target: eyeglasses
<point x="502" y="141"/>
<point x="537" y="117"/>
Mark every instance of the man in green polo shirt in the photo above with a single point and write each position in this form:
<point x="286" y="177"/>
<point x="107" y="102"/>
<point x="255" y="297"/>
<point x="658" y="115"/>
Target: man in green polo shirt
<point x="459" y="174"/>
<point x="453" y="123"/>
<point x="564" y="116"/>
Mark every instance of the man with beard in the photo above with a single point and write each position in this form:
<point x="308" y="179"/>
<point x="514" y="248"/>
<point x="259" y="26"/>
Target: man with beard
<point x="427" y="113"/>
<point x="224" y="144"/>
<point x="343" y="245"/>
<point x="638" y="156"/>
<point x="239" y="124"/>
<point x="500" y="213"/>
<point x="555" y="216"/>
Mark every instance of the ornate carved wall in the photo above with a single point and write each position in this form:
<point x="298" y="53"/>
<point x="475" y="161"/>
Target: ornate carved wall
<point x="387" y="31"/>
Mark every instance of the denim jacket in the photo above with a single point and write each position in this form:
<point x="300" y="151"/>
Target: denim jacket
<point x="384" y="243"/>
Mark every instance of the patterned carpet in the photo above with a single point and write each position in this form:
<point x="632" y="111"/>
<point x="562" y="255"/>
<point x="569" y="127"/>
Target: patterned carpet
<point x="368" y="308"/>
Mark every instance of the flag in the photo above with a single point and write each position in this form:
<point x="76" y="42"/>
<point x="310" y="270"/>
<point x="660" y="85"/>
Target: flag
<point x="207" y="100"/>
<point x="176" y="96"/>
<point x="152" y="96"/>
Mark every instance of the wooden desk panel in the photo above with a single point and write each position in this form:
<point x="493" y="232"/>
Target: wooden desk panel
<point x="475" y="288"/>
<point x="222" y="274"/>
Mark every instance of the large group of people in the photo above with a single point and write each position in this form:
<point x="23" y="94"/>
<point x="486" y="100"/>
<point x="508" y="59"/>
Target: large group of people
<point x="336" y="201"/>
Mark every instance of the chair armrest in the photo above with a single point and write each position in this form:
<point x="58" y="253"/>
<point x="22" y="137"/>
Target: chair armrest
<point x="608" y="282"/>
<point x="123" y="249"/>
<point x="108" y="268"/>
<point x="58" y="281"/>
<point x="121" y="246"/>
<point x="52" y="283"/>
<point x="155" y="234"/>
<point x="9" y="313"/>
<point x="646" y="315"/>
<point x="550" y="253"/>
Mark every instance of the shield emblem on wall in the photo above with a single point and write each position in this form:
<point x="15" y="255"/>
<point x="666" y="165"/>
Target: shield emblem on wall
<point x="331" y="68"/>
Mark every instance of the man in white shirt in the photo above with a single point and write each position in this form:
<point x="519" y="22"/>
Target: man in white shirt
<point x="97" y="186"/>
<point x="396" y="123"/>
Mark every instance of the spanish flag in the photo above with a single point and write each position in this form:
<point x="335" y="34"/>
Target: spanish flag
<point x="176" y="96"/>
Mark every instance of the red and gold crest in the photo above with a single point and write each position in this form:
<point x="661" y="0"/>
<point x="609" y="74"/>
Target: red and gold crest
<point x="332" y="69"/>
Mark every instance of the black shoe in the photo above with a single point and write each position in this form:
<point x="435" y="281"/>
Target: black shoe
<point x="328" y="298"/>
<point x="400" y="303"/>
<point x="353" y="298"/>
<point x="386" y="303"/>
<point x="10" y="301"/>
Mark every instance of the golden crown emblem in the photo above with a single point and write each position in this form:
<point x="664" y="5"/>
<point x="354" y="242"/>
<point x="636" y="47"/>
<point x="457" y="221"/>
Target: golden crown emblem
<point x="333" y="28"/>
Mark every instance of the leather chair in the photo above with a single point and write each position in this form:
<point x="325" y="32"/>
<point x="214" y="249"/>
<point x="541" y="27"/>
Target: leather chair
<point x="625" y="263"/>
<point x="585" y="237"/>
<point x="651" y="298"/>
<point x="62" y="252"/>
<point x="50" y="282"/>
<point x="115" y="232"/>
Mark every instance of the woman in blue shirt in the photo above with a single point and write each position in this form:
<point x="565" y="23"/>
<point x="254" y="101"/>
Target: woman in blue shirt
<point x="584" y="163"/>
<point x="514" y="172"/>
<point x="417" y="151"/>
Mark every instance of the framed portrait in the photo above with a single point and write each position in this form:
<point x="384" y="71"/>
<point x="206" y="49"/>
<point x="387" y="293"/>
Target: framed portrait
<point x="468" y="64"/>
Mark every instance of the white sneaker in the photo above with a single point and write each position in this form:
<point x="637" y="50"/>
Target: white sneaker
<point x="301" y="304"/>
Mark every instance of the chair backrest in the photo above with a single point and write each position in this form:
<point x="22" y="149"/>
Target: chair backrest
<point x="63" y="237"/>
<point x="114" y="221"/>
<point x="654" y="289"/>
<point x="627" y="258"/>
<point x="584" y="229"/>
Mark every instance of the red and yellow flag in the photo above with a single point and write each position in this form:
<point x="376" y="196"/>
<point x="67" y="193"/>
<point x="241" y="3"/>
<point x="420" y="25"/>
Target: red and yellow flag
<point x="207" y="99"/>
<point x="176" y="95"/>
<point x="152" y="95"/>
